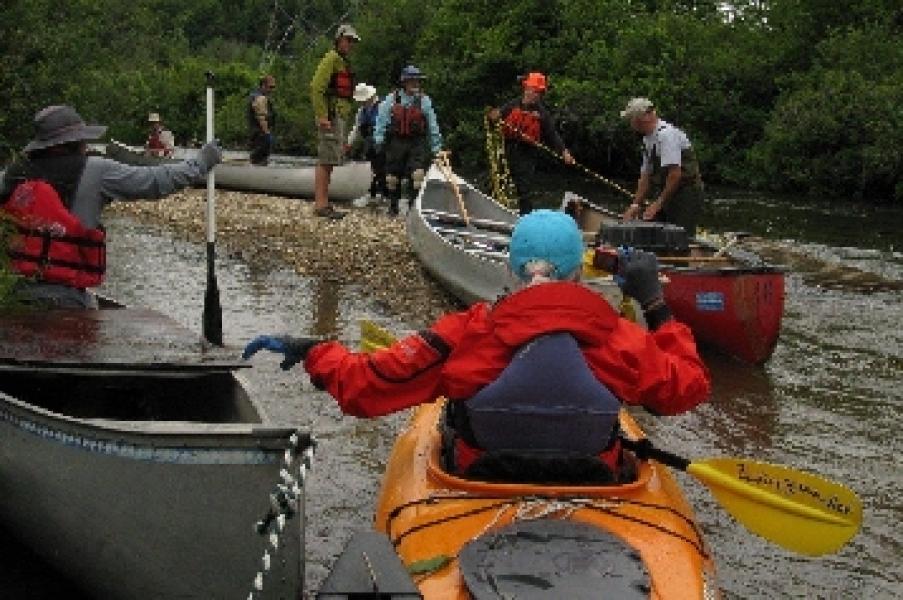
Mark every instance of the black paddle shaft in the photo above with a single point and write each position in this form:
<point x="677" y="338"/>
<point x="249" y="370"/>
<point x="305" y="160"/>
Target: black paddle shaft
<point x="644" y="449"/>
<point x="212" y="324"/>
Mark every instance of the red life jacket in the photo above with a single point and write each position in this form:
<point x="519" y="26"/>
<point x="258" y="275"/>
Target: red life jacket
<point x="51" y="244"/>
<point x="523" y="124"/>
<point x="341" y="84"/>
<point x="154" y="142"/>
<point x="407" y="121"/>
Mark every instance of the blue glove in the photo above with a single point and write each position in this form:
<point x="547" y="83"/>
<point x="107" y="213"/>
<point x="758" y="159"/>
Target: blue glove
<point x="294" y="349"/>
<point x="638" y="276"/>
<point x="271" y="139"/>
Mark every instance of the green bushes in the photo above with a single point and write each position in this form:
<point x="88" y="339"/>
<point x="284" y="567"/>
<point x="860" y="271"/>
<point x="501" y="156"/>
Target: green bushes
<point x="791" y="95"/>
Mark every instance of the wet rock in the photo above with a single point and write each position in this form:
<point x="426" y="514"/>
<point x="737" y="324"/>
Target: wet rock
<point x="366" y="248"/>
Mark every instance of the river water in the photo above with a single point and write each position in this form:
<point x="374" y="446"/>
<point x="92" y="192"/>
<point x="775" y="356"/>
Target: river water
<point x="827" y="401"/>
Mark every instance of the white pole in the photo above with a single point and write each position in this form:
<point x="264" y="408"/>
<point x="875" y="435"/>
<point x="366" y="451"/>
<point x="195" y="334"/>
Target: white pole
<point x="211" y="184"/>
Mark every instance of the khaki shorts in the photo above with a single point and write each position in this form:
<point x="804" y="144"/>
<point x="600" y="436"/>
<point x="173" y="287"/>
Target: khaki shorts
<point x="331" y="143"/>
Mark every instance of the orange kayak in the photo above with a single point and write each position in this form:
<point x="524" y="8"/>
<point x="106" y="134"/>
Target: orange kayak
<point x="472" y="539"/>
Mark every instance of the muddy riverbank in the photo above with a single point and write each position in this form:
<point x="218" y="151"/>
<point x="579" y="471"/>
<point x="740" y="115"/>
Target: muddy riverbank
<point x="367" y="248"/>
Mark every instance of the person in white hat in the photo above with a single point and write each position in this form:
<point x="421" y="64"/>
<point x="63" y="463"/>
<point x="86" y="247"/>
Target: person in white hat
<point x="362" y="136"/>
<point x="54" y="195"/>
<point x="160" y="140"/>
<point x="332" y="91"/>
<point x="669" y="169"/>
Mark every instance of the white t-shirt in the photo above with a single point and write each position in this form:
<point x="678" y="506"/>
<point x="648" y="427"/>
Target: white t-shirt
<point x="668" y="142"/>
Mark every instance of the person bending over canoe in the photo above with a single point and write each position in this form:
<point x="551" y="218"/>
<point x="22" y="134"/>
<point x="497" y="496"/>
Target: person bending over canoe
<point x="54" y="196"/>
<point x="542" y="370"/>
<point x="670" y="170"/>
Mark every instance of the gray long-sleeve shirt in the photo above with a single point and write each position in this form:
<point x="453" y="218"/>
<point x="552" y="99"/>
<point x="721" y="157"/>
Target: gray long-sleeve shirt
<point x="103" y="181"/>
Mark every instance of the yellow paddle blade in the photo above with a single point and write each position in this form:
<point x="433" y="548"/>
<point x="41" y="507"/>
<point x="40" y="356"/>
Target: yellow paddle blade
<point x="375" y="337"/>
<point x="797" y="510"/>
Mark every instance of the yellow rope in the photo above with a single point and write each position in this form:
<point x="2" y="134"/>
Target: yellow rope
<point x="502" y="184"/>
<point x="540" y="145"/>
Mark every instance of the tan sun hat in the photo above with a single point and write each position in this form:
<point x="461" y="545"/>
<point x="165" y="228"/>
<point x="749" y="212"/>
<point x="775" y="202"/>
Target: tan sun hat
<point x="60" y="124"/>
<point x="363" y="92"/>
<point x="153" y="118"/>
<point x="346" y="30"/>
<point x="637" y="107"/>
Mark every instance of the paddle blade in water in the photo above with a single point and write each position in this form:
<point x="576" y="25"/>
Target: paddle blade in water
<point x="797" y="510"/>
<point x="374" y="337"/>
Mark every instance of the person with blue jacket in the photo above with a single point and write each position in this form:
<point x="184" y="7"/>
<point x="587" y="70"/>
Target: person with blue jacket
<point x="407" y="129"/>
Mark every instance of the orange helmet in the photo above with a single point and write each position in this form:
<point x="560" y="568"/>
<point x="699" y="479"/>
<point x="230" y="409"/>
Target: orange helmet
<point x="535" y="81"/>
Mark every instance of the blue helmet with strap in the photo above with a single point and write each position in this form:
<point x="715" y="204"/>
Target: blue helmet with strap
<point x="547" y="235"/>
<point x="411" y="72"/>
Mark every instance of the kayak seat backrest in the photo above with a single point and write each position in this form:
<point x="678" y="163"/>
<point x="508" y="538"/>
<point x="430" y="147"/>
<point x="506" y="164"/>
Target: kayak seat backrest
<point x="547" y="468"/>
<point x="548" y="400"/>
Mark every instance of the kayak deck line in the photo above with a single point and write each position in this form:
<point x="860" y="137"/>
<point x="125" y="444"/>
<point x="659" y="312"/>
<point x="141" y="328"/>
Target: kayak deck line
<point x="549" y="506"/>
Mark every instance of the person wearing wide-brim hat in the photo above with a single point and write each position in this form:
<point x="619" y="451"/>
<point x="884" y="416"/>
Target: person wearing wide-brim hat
<point x="160" y="140"/>
<point x="55" y="194"/>
<point x="669" y="170"/>
<point x="332" y="97"/>
<point x="407" y="127"/>
<point x="526" y="122"/>
<point x="360" y="143"/>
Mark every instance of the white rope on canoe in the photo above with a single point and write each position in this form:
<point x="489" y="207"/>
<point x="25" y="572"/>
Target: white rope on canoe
<point x="285" y="502"/>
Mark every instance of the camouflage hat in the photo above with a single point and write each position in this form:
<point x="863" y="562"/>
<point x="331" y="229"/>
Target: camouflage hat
<point x="637" y="107"/>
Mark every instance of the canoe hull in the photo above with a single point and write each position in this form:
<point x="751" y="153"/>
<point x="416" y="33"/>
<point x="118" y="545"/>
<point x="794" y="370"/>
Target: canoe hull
<point x="138" y="479"/>
<point x="469" y="256"/>
<point x="678" y="563"/>
<point x="285" y="175"/>
<point x="734" y="310"/>
<point x="732" y="303"/>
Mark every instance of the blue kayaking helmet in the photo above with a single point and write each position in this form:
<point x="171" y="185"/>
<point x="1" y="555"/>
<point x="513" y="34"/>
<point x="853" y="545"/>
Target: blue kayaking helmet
<point x="411" y="72"/>
<point x="547" y="235"/>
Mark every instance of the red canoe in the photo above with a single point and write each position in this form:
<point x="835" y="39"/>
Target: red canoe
<point x="733" y="301"/>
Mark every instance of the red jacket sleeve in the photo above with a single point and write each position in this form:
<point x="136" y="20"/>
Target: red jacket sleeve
<point x="659" y="370"/>
<point x="406" y="374"/>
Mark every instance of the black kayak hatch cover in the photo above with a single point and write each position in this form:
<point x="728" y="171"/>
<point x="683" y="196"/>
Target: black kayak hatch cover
<point x="547" y="558"/>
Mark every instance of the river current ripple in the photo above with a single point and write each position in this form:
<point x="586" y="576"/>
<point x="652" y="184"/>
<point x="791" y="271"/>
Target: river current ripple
<point x="827" y="401"/>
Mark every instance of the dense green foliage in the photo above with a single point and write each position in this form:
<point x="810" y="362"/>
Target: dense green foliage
<point x="789" y="95"/>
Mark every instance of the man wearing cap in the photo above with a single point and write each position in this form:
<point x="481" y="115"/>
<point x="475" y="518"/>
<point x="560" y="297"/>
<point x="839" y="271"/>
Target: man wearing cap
<point x="262" y="120"/>
<point x="481" y="357"/>
<point x="670" y="170"/>
<point x="407" y="128"/>
<point x="54" y="195"/>
<point x="527" y="122"/>
<point x="362" y="135"/>
<point x="332" y="91"/>
<point x="160" y="141"/>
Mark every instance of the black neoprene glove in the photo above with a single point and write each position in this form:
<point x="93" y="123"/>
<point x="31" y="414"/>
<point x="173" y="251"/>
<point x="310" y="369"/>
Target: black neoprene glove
<point x="638" y="271"/>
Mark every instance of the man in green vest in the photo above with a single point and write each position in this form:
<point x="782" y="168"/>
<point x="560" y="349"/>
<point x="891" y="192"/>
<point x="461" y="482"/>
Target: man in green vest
<point x="670" y="170"/>
<point x="332" y="96"/>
